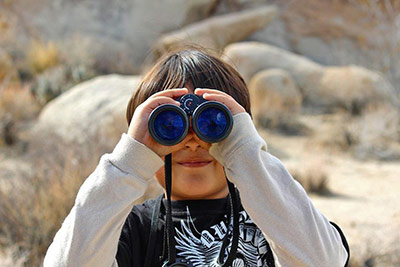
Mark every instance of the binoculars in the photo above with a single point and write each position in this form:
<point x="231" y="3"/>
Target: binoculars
<point x="210" y="120"/>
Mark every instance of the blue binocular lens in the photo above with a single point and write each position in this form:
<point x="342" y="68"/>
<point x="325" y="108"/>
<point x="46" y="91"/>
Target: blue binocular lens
<point x="168" y="124"/>
<point x="211" y="121"/>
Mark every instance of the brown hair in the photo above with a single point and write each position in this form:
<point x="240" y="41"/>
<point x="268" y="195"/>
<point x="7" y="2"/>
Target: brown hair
<point x="191" y="66"/>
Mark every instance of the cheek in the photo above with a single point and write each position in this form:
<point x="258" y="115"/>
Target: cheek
<point x="160" y="177"/>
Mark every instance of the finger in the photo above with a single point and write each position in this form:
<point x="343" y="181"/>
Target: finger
<point x="202" y="91"/>
<point x="172" y="93"/>
<point x="154" y="102"/>
<point x="225" y="99"/>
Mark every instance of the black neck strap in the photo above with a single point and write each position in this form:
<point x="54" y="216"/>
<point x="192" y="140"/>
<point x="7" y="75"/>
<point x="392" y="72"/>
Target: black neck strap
<point x="169" y="228"/>
<point x="234" y="209"/>
<point x="169" y="224"/>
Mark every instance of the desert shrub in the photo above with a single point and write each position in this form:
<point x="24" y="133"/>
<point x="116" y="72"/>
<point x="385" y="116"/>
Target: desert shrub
<point x="8" y="71"/>
<point x="376" y="134"/>
<point x="42" y="56"/>
<point x="19" y="103"/>
<point x="53" y="82"/>
<point x="16" y="107"/>
<point x="287" y="124"/>
<point x="312" y="177"/>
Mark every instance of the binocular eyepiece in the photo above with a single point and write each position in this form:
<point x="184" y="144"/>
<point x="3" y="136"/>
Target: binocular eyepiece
<point x="211" y="121"/>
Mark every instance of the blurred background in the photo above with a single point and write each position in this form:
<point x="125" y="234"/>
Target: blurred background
<point x="323" y="76"/>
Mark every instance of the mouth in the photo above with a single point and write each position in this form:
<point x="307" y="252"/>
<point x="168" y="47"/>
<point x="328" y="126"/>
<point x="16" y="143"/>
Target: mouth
<point x="194" y="163"/>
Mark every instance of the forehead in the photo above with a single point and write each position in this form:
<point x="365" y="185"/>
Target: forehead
<point x="190" y="87"/>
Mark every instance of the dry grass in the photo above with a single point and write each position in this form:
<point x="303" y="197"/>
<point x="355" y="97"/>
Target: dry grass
<point x="312" y="177"/>
<point x="313" y="181"/>
<point x="42" y="56"/>
<point x="17" y="108"/>
<point x="19" y="103"/>
<point x="33" y="208"/>
<point x="377" y="134"/>
<point x="8" y="72"/>
<point x="30" y="218"/>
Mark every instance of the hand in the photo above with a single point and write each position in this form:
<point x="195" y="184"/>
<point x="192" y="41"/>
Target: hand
<point x="138" y="128"/>
<point x="219" y="96"/>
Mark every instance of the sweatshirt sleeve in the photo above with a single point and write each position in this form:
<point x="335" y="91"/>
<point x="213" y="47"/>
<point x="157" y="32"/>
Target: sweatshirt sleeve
<point x="298" y="233"/>
<point x="90" y="233"/>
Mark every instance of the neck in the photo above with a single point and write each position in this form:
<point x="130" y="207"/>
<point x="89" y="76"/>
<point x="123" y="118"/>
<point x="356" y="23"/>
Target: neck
<point x="212" y="195"/>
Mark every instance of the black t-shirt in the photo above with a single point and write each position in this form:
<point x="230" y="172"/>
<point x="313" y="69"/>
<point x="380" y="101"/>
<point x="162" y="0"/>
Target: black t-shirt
<point x="200" y="226"/>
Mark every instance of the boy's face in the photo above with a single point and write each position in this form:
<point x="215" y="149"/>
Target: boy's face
<point x="195" y="173"/>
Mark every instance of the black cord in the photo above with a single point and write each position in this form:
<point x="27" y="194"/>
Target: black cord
<point x="234" y="209"/>
<point x="169" y="224"/>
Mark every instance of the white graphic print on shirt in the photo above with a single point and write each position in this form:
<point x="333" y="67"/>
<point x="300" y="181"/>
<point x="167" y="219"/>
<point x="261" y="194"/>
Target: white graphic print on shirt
<point x="202" y="249"/>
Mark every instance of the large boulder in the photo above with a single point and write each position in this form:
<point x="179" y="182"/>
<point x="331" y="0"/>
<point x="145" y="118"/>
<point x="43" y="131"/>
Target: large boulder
<point x="335" y="33"/>
<point x="276" y="102"/>
<point x="89" y="110"/>
<point x="352" y="88"/>
<point x="217" y="32"/>
<point x="252" y="57"/>
<point x="83" y="123"/>
<point x="274" y="91"/>
<point x="119" y="32"/>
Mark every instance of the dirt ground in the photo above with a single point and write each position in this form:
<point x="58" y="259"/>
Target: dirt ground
<point x="365" y="199"/>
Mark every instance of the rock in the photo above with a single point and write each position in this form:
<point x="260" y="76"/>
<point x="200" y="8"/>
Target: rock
<point x="84" y="123"/>
<point x="217" y="32"/>
<point x="273" y="91"/>
<point x="328" y="88"/>
<point x="276" y="102"/>
<point x="353" y="88"/>
<point x="252" y="57"/>
<point x="274" y="33"/>
<point x="91" y="109"/>
<point x="120" y="31"/>
<point x="335" y="33"/>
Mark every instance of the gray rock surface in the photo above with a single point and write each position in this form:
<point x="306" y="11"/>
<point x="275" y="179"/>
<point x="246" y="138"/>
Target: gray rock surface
<point x="120" y="32"/>
<point x="275" y="33"/>
<point x="91" y="109"/>
<point x="355" y="88"/>
<point x="217" y="32"/>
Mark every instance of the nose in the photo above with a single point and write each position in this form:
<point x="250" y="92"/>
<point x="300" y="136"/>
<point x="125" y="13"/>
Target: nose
<point x="192" y="142"/>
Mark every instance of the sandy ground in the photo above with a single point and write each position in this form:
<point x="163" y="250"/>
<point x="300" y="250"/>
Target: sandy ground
<point x="365" y="199"/>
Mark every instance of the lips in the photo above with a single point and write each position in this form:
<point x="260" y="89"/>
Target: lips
<point x="194" y="163"/>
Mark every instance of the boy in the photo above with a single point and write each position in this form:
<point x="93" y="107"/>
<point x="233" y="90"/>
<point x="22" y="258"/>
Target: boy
<point x="279" y="226"/>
